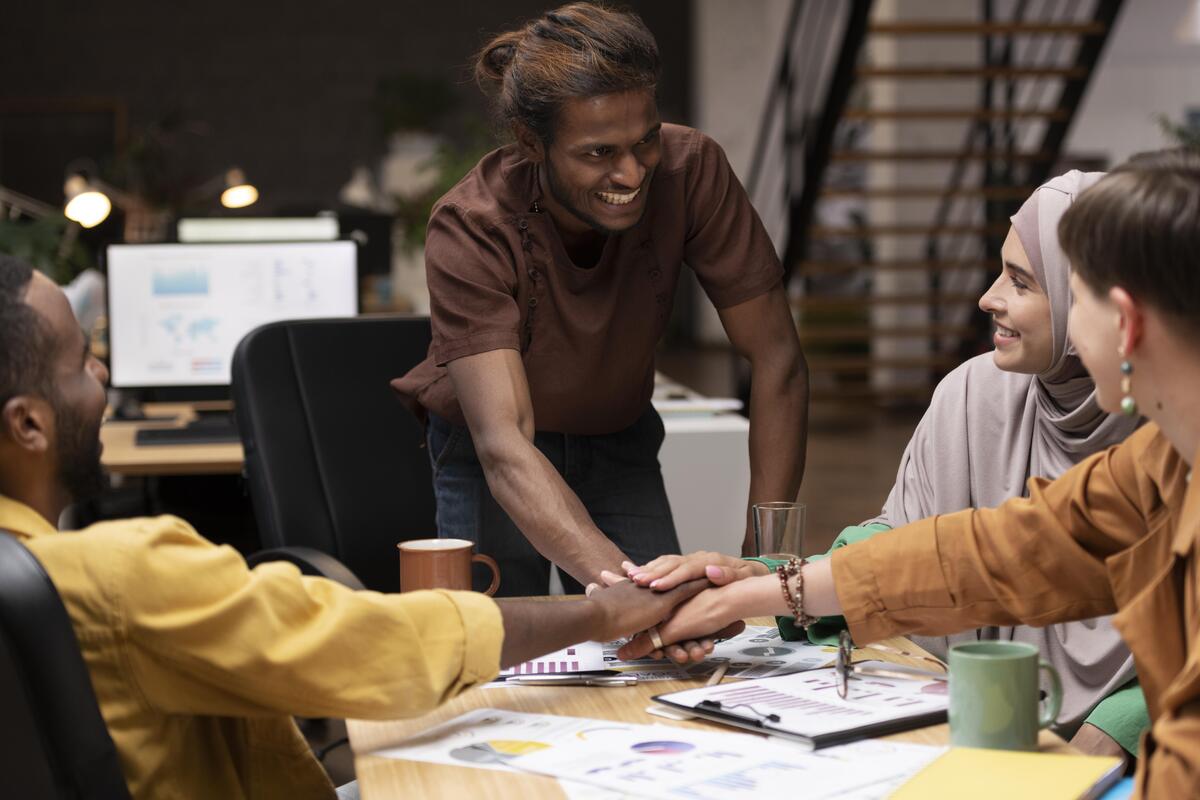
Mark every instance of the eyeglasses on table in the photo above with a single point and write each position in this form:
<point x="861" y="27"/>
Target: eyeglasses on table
<point x="844" y="667"/>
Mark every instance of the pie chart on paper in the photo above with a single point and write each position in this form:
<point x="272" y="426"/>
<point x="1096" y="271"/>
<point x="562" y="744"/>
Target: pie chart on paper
<point x="662" y="748"/>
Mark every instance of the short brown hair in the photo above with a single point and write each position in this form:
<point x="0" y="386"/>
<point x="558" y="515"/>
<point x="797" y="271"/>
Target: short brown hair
<point x="26" y="344"/>
<point x="1139" y="228"/>
<point x="577" y="50"/>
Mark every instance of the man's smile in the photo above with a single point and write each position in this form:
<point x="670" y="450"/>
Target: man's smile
<point x="619" y="198"/>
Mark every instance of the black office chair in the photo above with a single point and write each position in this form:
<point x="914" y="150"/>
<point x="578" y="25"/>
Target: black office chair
<point x="334" y="461"/>
<point x="53" y="741"/>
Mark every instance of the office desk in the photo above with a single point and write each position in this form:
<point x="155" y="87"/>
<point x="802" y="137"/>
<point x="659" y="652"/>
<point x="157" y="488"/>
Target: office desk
<point x="385" y="777"/>
<point x="123" y="456"/>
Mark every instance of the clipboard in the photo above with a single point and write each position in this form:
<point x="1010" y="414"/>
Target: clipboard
<point x="804" y="708"/>
<point x="817" y="741"/>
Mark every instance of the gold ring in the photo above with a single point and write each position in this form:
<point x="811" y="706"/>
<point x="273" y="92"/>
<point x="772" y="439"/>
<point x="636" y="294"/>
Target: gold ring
<point x="655" y="639"/>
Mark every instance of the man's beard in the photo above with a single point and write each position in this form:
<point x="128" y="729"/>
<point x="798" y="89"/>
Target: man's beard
<point x="79" y="471"/>
<point x="563" y="198"/>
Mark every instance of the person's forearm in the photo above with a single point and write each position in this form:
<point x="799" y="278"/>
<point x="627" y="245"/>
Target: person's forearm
<point x="551" y="516"/>
<point x="534" y="627"/>
<point x="762" y="596"/>
<point x="778" y="431"/>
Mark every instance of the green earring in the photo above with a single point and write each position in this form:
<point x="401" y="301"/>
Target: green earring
<point x="1128" y="404"/>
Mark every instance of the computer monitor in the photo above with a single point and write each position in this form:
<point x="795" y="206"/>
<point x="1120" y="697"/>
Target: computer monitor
<point x="177" y="311"/>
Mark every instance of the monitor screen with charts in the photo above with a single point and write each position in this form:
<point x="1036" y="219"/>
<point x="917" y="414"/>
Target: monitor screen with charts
<point x="177" y="311"/>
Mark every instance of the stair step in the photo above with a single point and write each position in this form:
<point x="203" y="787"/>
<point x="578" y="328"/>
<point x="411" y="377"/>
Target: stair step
<point x="820" y="303"/>
<point x="835" y="267"/>
<point x="937" y="155"/>
<point x="906" y="192"/>
<point x="865" y="334"/>
<point x="955" y="113"/>
<point x="967" y="71"/>
<point x="936" y="28"/>
<point x="853" y="364"/>
<point x="830" y="232"/>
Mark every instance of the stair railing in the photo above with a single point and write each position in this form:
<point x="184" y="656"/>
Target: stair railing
<point x="808" y="94"/>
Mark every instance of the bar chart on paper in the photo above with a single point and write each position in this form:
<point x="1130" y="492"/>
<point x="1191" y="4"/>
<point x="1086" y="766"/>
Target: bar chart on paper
<point x="582" y="657"/>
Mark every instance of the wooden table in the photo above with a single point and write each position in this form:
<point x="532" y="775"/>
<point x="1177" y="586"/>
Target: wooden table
<point x="123" y="456"/>
<point x="384" y="777"/>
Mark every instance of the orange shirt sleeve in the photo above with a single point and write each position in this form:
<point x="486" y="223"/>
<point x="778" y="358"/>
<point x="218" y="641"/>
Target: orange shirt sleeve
<point x="1032" y="561"/>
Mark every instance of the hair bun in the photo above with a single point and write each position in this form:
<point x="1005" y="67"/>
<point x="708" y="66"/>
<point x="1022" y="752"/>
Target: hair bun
<point x="496" y="60"/>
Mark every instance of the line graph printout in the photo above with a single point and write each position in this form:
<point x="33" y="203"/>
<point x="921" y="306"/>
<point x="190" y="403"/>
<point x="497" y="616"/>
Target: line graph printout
<point x="808" y="702"/>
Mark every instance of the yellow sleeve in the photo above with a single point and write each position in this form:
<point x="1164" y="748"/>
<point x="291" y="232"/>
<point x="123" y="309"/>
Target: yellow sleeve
<point x="206" y="635"/>
<point x="1031" y="561"/>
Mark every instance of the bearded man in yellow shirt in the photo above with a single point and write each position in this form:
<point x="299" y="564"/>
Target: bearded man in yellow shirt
<point x="199" y="663"/>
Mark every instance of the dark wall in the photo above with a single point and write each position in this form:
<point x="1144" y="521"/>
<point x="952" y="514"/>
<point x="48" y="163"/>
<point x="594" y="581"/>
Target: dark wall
<point x="283" y="90"/>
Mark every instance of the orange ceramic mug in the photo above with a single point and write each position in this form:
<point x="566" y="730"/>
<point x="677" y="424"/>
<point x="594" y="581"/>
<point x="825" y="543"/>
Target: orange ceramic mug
<point x="441" y="564"/>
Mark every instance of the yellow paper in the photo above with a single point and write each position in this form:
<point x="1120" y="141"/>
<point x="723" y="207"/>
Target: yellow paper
<point x="1008" y="775"/>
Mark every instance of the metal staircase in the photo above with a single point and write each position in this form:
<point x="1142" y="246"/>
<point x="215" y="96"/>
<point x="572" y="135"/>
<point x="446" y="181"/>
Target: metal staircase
<point x="890" y="155"/>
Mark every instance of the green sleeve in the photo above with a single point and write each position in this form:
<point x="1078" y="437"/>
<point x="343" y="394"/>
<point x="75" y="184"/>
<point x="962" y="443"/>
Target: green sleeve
<point x="1123" y="716"/>
<point x="826" y="629"/>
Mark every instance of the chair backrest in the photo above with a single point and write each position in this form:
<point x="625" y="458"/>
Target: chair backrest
<point x="333" y="459"/>
<point x="53" y="741"/>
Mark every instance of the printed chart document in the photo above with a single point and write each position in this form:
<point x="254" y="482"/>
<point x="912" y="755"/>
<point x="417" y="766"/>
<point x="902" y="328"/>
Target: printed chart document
<point x="756" y="652"/>
<point x="582" y="657"/>
<point x="661" y="761"/>
<point x="806" y="706"/>
<point x="491" y="738"/>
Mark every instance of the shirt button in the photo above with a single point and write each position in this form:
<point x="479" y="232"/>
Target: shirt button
<point x="532" y="302"/>
<point x="655" y="273"/>
<point x="534" y="274"/>
<point x="523" y="225"/>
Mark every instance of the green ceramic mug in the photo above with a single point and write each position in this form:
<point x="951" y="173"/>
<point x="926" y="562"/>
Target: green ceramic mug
<point x="994" y="695"/>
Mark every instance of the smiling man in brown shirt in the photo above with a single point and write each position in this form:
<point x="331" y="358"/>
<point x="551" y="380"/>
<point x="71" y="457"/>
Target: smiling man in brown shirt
<point x="552" y="267"/>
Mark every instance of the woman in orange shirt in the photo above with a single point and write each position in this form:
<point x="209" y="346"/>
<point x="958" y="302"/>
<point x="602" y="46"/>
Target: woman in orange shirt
<point x="1116" y="534"/>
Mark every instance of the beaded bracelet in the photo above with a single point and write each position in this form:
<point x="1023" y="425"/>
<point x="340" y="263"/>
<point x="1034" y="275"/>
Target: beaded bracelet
<point x="794" y="566"/>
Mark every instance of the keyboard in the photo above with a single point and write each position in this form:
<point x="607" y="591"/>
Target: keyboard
<point x="202" y="431"/>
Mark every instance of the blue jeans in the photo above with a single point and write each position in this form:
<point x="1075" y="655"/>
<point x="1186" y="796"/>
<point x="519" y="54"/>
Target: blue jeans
<point x="616" y="476"/>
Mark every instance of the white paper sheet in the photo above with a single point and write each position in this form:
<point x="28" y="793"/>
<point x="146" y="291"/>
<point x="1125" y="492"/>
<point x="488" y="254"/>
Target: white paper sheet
<point x="668" y="762"/>
<point x="490" y="738"/>
<point x="808" y="703"/>
<point x="756" y="652"/>
<point x="582" y="657"/>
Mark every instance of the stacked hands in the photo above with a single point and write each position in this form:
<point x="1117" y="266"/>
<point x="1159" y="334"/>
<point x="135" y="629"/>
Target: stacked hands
<point x="711" y="605"/>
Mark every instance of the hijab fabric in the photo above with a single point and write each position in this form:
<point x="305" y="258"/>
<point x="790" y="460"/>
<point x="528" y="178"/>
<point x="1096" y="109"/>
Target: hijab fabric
<point x="987" y="432"/>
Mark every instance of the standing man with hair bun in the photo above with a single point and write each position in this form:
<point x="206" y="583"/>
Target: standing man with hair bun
<point x="552" y="268"/>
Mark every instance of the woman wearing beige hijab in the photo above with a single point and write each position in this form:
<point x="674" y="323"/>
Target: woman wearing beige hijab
<point x="1026" y="409"/>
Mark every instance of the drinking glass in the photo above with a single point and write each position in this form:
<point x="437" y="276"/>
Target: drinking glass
<point x="779" y="529"/>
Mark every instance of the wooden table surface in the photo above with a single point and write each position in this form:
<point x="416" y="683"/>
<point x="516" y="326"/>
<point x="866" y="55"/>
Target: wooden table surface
<point x="385" y="777"/>
<point x="123" y="456"/>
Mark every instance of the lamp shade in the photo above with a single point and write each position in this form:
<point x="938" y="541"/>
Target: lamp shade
<point x="238" y="193"/>
<point x="85" y="204"/>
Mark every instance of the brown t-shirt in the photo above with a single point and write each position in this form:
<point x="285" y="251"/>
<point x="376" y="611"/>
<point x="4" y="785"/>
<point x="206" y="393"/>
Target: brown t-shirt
<point x="499" y="277"/>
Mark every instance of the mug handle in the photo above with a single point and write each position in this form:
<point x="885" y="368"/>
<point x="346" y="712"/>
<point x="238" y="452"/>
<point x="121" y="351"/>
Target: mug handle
<point x="495" y="568"/>
<point x="1049" y="712"/>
